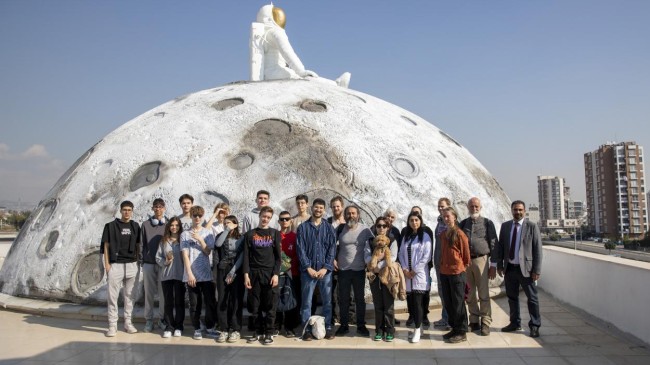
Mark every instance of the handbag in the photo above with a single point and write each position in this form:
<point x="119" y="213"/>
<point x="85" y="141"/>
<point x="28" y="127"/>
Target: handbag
<point x="286" y="298"/>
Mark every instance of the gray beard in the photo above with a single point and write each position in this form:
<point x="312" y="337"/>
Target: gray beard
<point x="352" y="223"/>
<point x="475" y="215"/>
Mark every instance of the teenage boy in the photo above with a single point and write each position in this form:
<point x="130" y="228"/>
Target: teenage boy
<point x="252" y="218"/>
<point x="262" y="260"/>
<point x="153" y="230"/>
<point x="120" y="245"/>
<point x="186" y="201"/>
<point x="196" y="245"/>
<point x="302" y="204"/>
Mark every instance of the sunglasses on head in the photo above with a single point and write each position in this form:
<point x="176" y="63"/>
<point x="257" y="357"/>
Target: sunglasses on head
<point x="285" y="219"/>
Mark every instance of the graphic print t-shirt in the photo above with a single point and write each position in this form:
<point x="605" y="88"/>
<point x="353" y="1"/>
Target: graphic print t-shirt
<point x="123" y="254"/>
<point x="262" y="249"/>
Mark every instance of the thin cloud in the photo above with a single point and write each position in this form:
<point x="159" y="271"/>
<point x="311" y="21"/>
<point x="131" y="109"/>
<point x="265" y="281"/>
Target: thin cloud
<point x="35" y="151"/>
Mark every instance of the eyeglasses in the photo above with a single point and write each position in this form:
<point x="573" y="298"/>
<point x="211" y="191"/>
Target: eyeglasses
<point x="284" y="219"/>
<point x="382" y="226"/>
<point x="197" y="216"/>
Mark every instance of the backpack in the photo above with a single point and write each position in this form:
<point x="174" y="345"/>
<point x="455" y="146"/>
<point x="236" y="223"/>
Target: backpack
<point x="317" y="324"/>
<point x="286" y="298"/>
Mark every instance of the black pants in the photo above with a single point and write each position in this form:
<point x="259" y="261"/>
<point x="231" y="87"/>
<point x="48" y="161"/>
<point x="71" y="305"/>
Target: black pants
<point x="204" y="291"/>
<point x="414" y="303"/>
<point x="453" y="288"/>
<point x="356" y="280"/>
<point x="264" y="300"/>
<point x="174" y="293"/>
<point x="513" y="279"/>
<point x="291" y="318"/>
<point x="230" y="305"/>
<point x="384" y="304"/>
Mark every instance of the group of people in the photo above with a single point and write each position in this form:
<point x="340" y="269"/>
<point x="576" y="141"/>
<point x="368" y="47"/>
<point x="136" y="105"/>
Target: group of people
<point x="273" y="263"/>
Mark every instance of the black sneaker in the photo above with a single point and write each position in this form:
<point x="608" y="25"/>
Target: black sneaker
<point x="275" y="333"/>
<point x="343" y="330"/>
<point x="268" y="339"/>
<point x="254" y="338"/>
<point x="474" y="327"/>
<point x="449" y="335"/>
<point x="460" y="337"/>
<point x="363" y="331"/>
<point x="290" y="334"/>
<point x="511" y="328"/>
<point x="426" y="322"/>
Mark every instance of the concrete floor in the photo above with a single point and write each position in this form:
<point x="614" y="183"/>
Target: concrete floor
<point x="567" y="337"/>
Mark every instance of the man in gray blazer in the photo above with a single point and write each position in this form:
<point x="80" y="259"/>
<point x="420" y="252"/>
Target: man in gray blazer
<point x="519" y="254"/>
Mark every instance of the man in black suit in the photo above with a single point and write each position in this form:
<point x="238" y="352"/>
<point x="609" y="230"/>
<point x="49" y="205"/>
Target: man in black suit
<point x="519" y="254"/>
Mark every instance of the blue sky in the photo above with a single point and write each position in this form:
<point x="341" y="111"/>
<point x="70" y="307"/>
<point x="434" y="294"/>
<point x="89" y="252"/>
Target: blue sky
<point x="527" y="86"/>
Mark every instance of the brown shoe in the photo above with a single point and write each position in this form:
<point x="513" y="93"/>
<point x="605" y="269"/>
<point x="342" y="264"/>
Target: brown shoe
<point x="485" y="330"/>
<point x="307" y="336"/>
<point x="329" y="334"/>
<point x="460" y="337"/>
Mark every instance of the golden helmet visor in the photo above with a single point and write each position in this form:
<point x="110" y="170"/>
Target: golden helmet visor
<point x="279" y="17"/>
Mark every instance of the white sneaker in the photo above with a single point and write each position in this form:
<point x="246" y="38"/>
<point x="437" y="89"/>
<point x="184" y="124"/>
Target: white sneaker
<point x="416" y="336"/>
<point x="223" y="336"/>
<point x="112" y="331"/>
<point x="197" y="335"/>
<point x="234" y="336"/>
<point x="130" y="328"/>
<point x="167" y="334"/>
<point x="177" y="333"/>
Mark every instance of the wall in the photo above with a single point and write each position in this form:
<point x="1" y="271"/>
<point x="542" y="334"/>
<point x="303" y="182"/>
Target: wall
<point x="614" y="289"/>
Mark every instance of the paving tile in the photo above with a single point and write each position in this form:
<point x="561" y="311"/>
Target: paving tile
<point x="510" y="360"/>
<point x="629" y="360"/>
<point x="541" y="360"/>
<point x="589" y="360"/>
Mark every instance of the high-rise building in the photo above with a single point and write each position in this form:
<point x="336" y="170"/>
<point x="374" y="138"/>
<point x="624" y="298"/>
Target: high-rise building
<point x="551" y="193"/>
<point x="616" y="194"/>
<point x="532" y="213"/>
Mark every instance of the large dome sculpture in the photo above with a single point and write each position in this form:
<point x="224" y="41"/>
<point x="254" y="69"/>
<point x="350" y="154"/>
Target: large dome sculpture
<point x="286" y="136"/>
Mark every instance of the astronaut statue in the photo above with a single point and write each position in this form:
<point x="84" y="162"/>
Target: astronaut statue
<point x="272" y="57"/>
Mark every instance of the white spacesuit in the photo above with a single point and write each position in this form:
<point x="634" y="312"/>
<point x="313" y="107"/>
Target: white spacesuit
<point x="272" y="57"/>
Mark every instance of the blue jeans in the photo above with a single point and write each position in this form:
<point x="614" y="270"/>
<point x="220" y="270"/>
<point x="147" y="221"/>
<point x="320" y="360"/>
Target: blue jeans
<point x="325" y="287"/>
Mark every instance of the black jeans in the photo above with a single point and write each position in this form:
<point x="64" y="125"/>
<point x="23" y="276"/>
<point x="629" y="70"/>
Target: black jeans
<point x="204" y="291"/>
<point x="230" y="305"/>
<point x="174" y="293"/>
<point x="384" y="304"/>
<point x="356" y="280"/>
<point x="513" y="279"/>
<point x="264" y="300"/>
<point x="453" y="288"/>
<point x="414" y="304"/>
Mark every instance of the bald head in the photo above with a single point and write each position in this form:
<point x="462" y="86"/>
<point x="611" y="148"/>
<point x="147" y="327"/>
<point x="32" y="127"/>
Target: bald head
<point x="474" y="207"/>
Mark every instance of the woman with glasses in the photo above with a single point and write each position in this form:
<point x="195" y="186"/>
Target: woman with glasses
<point x="414" y="256"/>
<point x="230" y="281"/>
<point x="382" y="298"/>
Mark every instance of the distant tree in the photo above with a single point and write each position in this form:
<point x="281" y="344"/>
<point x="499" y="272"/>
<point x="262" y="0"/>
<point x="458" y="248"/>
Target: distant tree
<point x="610" y="246"/>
